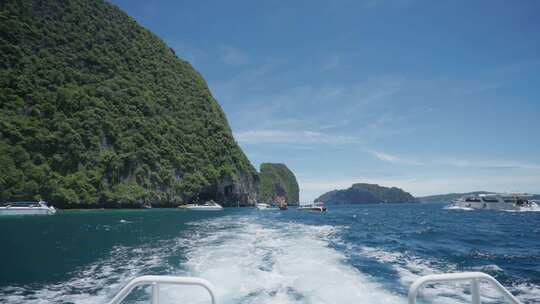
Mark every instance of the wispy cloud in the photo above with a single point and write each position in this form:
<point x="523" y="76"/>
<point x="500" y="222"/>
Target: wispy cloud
<point x="478" y="88"/>
<point x="454" y="162"/>
<point x="393" y="158"/>
<point x="299" y="107"/>
<point x="490" y="164"/>
<point x="232" y="56"/>
<point x="272" y="136"/>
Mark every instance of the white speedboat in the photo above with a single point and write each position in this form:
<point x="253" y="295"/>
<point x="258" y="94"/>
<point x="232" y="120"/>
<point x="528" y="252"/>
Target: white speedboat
<point x="27" y="208"/>
<point x="267" y="207"/>
<point x="316" y="206"/>
<point x="495" y="201"/>
<point x="208" y="206"/>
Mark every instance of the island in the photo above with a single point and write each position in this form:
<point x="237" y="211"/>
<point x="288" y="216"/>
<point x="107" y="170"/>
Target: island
<point x="278" y="185"/>
<point x="96" y="111"/>
<point x="363" y="193"/>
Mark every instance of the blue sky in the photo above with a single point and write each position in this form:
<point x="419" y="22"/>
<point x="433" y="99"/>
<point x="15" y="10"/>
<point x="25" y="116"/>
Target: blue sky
<point x="430" y="96"/>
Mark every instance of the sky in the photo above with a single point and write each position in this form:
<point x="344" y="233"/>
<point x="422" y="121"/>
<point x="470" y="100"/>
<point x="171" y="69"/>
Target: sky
<point x="430" y="96"/>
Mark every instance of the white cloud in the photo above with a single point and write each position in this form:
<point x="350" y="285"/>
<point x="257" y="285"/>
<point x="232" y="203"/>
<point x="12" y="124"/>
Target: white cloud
<point x="299" y="108"/>
<point x="453" y="162"/>
<point x="232" y="56"/>
<point x="393" y="158"/>
<point x="273" y="136"/>
<point x="385" y="156"/>
<point x="490" y="164"/>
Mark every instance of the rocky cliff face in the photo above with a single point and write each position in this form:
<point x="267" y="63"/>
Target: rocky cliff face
<point x="95" y="110"/>
<point x="241" y="191"/>
<point x="367" y="193"/>
<point x="278" y="184"/>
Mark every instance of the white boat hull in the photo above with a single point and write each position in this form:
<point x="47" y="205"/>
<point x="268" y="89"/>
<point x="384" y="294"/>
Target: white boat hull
<point x="26" y="211"/>
<point x="200" y="208"/>
<point x="495" y="201"/>
<point x="487" y="206"/>
<point x="266" y="207"/>
<point x="317" y="207"/>
<point x="194" y="207"/>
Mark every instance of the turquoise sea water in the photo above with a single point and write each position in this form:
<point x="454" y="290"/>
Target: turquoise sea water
<point x="351" y="254"/>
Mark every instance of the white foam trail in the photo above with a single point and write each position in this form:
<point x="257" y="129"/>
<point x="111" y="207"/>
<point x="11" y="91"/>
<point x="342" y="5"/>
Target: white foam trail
<point x="253" y="262"/>
<point x="291" y="264"/>
<point x="532" y="208"/>
<point x="95" y="283"/>
<point x="411" y="268"/>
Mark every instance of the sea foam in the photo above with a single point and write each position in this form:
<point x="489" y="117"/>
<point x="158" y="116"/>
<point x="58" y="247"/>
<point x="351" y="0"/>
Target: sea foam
<point x="292" y="264"/>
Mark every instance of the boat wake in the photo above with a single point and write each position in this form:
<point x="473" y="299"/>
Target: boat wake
<point x="534" y="207"/>
<point x="95" y="283"/>
<point x="410" y="268"/>
<point x="253" y="261"/>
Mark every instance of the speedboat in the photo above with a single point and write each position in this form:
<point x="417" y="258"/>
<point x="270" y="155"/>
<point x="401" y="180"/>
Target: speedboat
<point x="267" y="207"/>
<point x="27" y="208"/>
<point x="316" y="206"/>
<point x="495" y="201"/>
<point x="207" y="206"/>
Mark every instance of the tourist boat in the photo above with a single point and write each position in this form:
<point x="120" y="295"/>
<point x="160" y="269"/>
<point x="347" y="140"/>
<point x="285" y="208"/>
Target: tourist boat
<point x="495" y="201"/>
<point x="316" y="206"/>
<point x="267" y="207"/>
<point x="27" y="208"/>
<point x="207" y="206"/>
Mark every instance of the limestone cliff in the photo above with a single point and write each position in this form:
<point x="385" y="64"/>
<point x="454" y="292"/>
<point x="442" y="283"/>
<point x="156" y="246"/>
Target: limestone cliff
<point x="278" y="184"/>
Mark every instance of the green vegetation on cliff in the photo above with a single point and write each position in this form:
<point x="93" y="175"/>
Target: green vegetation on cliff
<point x="367" y="193"/>
<point x="95" y="109"/>
<point x="277" y="181"/>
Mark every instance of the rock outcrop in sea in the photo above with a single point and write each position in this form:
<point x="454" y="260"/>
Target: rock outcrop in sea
<point x="278" y="185"/>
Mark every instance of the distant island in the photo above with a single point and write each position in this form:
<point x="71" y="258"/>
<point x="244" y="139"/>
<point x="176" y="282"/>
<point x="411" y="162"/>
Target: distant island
<point x="278" y="184"/>
<point x="446" y="198"/>
<point x="363" y="193"/>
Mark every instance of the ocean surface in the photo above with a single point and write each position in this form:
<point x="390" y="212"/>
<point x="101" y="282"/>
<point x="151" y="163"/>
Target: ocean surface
<point x="351" y="254"/>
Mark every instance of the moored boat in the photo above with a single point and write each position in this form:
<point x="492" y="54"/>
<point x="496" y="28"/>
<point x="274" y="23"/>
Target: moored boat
<point x="495" y="201"/>
<point x="207" y="206"/>
<point x="316" y="206"/>
<point x="267" y="207"/>
<point x="27" y="208"/>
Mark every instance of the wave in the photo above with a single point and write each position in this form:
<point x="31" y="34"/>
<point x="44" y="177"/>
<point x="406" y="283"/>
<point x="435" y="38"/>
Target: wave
<point x="290" y="264"/>
<point x="95" y="283"/>
<point x="253" y="261"/>
<point x="532" y="208"/>
<point x="410" y="268"/>
<point x="248" y="262"/>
